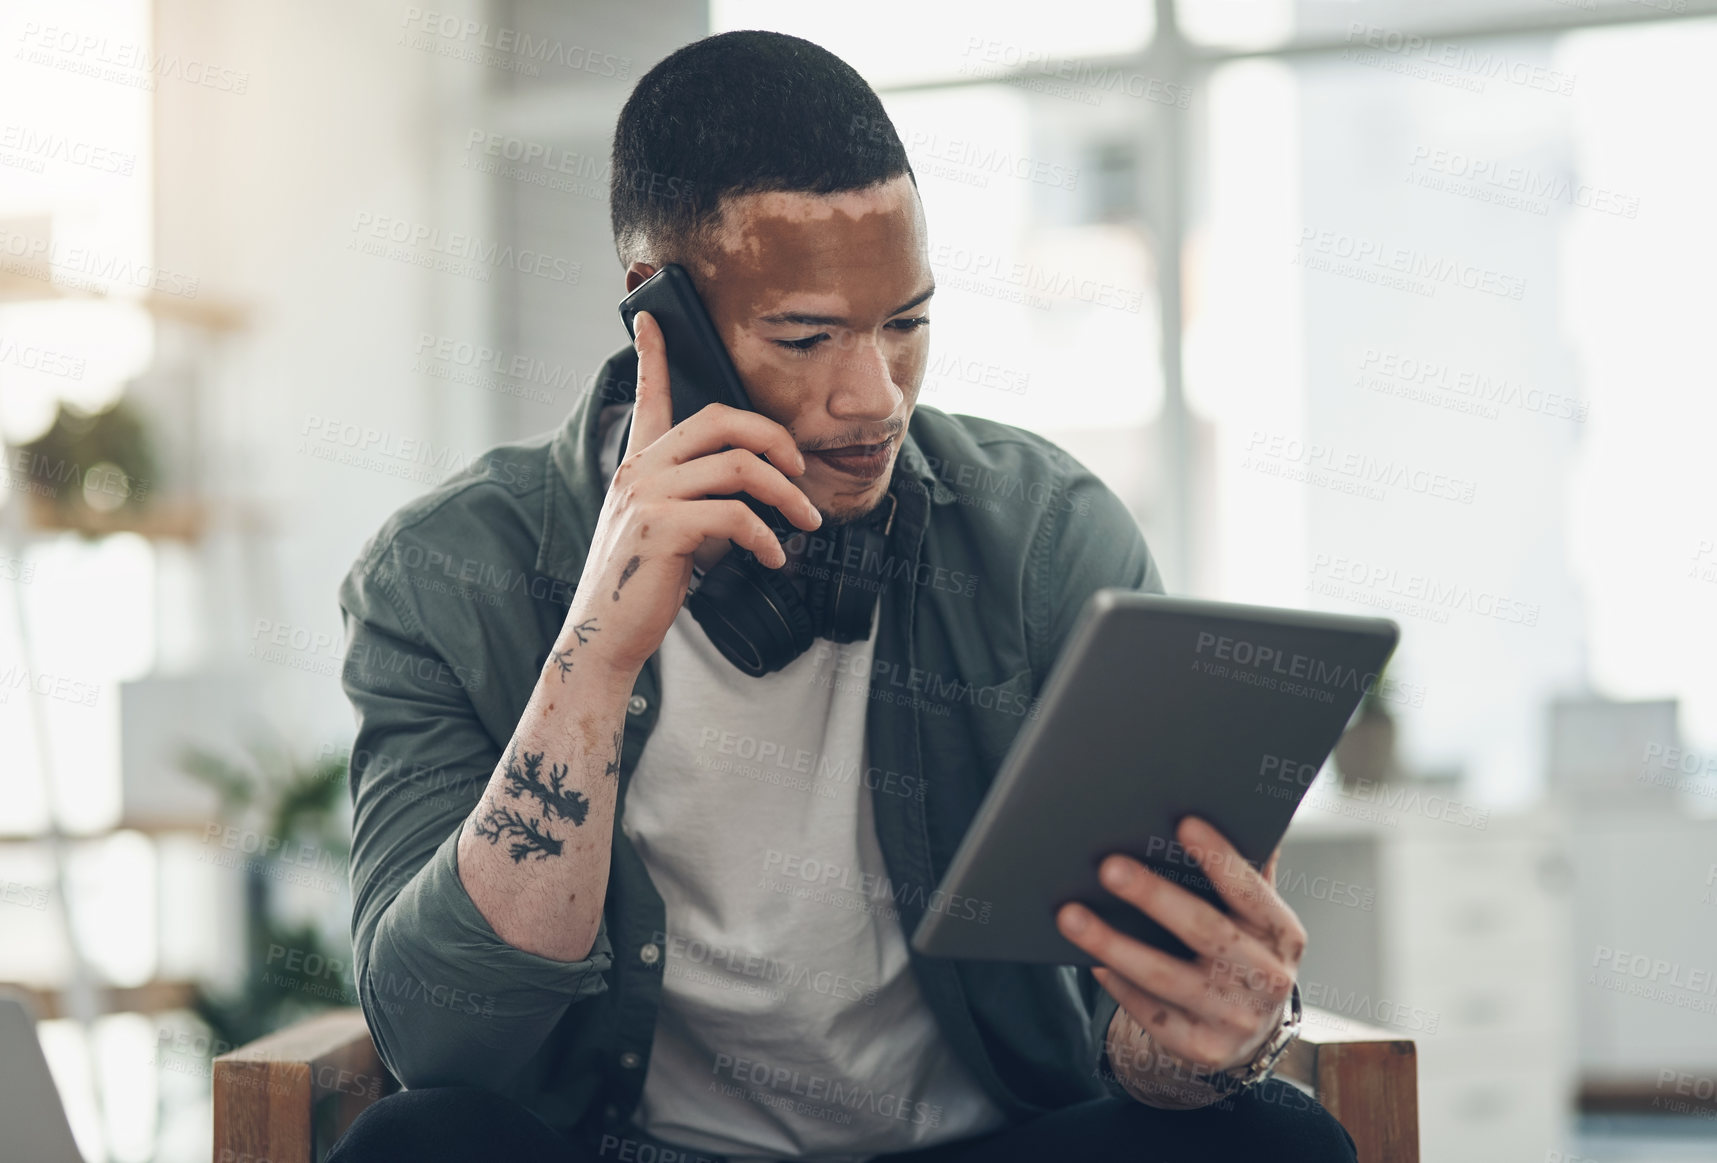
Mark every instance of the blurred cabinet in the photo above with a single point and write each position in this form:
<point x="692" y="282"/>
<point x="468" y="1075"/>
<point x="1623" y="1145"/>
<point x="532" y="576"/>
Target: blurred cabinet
<point x="1645" y="948"/>
<point x="1459" y="936"/>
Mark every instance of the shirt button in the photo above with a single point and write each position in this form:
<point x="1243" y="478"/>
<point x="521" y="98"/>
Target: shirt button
<point x="637" y="705"/>
<point x="611" y="1111"/>
<point x="648" y="954"/>
<point x="630" y="1059"/>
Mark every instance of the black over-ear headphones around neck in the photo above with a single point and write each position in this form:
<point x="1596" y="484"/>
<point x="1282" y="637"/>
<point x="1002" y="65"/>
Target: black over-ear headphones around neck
<point x="756" y="616"/>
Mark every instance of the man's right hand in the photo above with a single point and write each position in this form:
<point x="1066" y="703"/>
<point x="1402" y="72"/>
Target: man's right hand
<point x="659" y="512"/>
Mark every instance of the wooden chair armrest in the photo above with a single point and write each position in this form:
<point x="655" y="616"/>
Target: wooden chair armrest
<point x="1366" y="1076"/>
<point x="285" y="1097"/>
<point x="268" y="1094"/>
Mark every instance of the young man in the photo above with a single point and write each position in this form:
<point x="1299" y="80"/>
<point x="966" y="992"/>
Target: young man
<point x="616" y="898"/>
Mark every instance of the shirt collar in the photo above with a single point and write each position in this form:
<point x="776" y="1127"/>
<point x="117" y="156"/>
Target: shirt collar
<point x="577" y="483"/>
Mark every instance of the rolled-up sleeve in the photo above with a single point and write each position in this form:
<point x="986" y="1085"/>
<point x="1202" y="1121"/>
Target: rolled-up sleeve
<point x="1086" y="541"/>
<point x="447" y="1000"/>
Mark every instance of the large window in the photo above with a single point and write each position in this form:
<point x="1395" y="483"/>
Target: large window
<point x="1438" y="272"/>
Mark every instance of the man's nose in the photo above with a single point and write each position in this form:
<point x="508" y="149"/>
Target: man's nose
<point x="865" y="389"/>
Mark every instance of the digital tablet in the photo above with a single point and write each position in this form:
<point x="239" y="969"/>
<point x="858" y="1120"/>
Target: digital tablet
<point x="1157" y="708"/>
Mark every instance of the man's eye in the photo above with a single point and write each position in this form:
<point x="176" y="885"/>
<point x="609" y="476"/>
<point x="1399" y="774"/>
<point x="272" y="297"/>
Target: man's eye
<point x="911" y="324"/>
<point x="805" y="344"/>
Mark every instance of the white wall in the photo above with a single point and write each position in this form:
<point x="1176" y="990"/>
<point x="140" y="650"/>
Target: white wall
<point x="353" y="110"/>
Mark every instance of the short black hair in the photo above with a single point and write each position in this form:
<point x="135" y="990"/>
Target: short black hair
<point x="740" y="113"/>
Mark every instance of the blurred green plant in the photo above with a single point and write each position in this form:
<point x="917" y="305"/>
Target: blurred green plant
<point x="299" y="803"/>
<point x="93" y="461"/>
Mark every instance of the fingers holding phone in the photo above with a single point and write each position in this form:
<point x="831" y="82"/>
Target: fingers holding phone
<point x="710" y="432"/>
<point x="717" y="450"/>
<point x="670" y="501"/>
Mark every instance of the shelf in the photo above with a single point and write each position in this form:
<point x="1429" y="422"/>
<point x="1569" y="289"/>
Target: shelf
<point x="209" y="314"/>
<point x="152" y="997"/>
<point x="173" y="519"/>
<point x="155" y="826"/>
<point x="1643" y="1094"/>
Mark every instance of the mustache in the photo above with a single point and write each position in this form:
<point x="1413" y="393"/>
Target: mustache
<point x="856" y="438"/>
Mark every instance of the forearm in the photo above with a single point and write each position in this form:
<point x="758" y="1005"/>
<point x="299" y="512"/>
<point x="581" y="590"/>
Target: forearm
<point x="534" y="852"/>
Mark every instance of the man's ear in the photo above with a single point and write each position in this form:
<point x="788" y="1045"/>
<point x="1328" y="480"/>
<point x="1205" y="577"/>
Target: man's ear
<point x="636" y="274"/>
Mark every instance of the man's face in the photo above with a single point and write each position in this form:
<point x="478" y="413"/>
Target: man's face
<point x="822" y="300"/>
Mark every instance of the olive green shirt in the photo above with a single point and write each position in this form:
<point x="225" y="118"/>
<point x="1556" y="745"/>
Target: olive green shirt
<point x="450" y="612"/>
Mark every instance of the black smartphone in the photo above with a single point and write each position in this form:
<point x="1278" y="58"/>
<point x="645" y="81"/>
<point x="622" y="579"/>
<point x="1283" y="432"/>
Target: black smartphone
<point x="699" y="369"/>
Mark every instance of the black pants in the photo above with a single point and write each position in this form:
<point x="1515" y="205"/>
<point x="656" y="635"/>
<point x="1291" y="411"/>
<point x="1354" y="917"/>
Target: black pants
<point x="1272" y="1122"/>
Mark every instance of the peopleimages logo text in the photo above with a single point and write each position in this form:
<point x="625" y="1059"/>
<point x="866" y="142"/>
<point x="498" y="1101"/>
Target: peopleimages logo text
<point x="1320" y="249"/>
<point x="1475" y="61"/>
<point x="528" y="50"/>
<point x="1285" y="663"/>
<point x="458" y="245"/>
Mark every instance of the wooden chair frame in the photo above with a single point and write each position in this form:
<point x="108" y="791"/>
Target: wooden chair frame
<point x="286" y="1097"/>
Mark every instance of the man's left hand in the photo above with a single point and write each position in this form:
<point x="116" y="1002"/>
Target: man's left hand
<point x="1213" y="1013"/>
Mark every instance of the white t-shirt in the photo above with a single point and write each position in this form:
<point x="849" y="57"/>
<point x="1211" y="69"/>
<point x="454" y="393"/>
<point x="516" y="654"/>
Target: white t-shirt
<point x="791" y="1025"/>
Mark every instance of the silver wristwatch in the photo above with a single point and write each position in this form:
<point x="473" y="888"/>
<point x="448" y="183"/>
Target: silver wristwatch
<point x="1263" y="1063"/>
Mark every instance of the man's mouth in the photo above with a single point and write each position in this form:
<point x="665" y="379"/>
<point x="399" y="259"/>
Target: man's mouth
<point x="865" y="461"/>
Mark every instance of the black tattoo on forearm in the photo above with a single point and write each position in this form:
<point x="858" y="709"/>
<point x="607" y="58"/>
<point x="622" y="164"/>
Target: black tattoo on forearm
<point x="614" y="767"/>
<point x="625" y="576"/>
<point x="556" y="798"/>
<point x="563" y="658"/>
<point x="532" y="839"/>
<point x="530" y="836"/>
